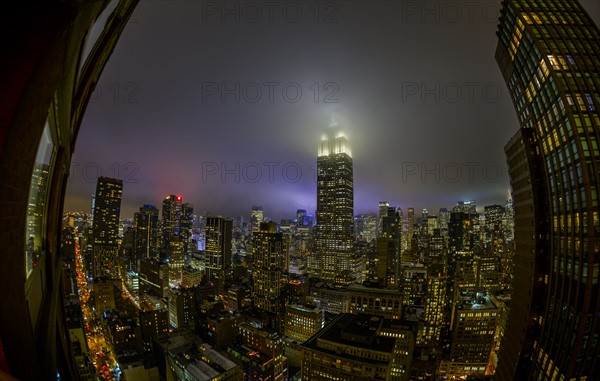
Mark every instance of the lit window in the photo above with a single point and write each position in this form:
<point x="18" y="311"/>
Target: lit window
<point x="590" y="102"/>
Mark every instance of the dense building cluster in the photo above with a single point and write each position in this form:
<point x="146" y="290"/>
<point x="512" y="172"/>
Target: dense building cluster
<point x="183" y="296"/>
<point x="507" y="290"/>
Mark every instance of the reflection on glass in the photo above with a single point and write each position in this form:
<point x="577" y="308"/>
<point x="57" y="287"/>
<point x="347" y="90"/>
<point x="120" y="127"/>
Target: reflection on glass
<point x="34" y="234"/>
<point x="96" y="30"/>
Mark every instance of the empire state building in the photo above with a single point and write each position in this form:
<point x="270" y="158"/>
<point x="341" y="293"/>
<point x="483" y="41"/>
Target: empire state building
<point x="334" y="235"/>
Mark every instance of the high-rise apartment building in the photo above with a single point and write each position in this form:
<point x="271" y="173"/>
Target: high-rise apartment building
<point x="219" y="231"/>
<point x="176" y="261"/>
<point x="171" y="217"/>
<point x="493" y="229"/>
<point x="389" y="245"/>
<point x="105" y="227"/>
<point x="435" y="304"/>
<point x="548" y="53"/>
<point x="146" y="233"/>
<point x="270" y="253"/>
<point x="186" y="224"/>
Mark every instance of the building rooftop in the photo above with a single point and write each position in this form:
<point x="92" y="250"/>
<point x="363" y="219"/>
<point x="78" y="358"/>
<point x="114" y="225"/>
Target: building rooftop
<point x="304" y="308"/>
<point x="361" y="331"/>
<point x="201" y="360"/>
<point x="474" y="300"/>
<point x="362" y="288"/>
<point x="249" y="354"/>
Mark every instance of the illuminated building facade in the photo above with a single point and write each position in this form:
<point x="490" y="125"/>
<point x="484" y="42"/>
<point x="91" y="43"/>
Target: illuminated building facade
<point x="269" y="252"/>
<point x="219" y="231"/>
<point x="494" y="232"/>
<point x="548" y="53"/>
<point x="105" y="227"/>
<point x="153" y="323"/>
<point x="78" y="42"/>
<point x="358" y="347"/>
<point x="435" y="304"/>
<point x="171" y="216"/>
<point x="154" y="278"/>
<point x="266" y="358"/>
<point x="366" y="227"/>
<point x="475" y="319"/>
<point x="389" y="245"/>
<point x="335" y="207"/>
<point x="302" y="322"/>
<point x="256" y="218"/>
<point x="186" y="224"/>
<point x="176" y="261"/>
<point x="104" y="295"/>
<point x="384" y="302"/>
<point x="146" y="233"/>
<point x="190" y="277"/>
<point x="181" y="308"/>
<point x="410" y="227"/>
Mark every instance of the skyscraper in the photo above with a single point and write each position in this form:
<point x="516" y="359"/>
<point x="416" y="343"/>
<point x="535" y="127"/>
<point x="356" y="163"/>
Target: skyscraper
<point x="171" y="217"/>
<point x="459" y="232"/>
<point x="186" y="223"/>
<point x="435" y="303"/>
<point x="176" y="260"/>
<point x="301" y="218"/>
<point x="443" y="220"/>
<point x="177" y="222"/>
<point x="388" y="245"/>
<point x="548" y="54"/>
<point x="105" y="227"/>
<point x="469" y="207"/>
<point x="383" y="212"/>
<point x="365" y="226"/>
<point x="410" y="227"/>
<point x="460" y="250"/>
<point x="256" y="218"/>
<point x="146" y="233"/>
<point x="219" y="231"/>
<point x="475" y="319"/>
<point x="270" y="250"/>
<point x="335" y="206"/>
<point x="493" y="231"/>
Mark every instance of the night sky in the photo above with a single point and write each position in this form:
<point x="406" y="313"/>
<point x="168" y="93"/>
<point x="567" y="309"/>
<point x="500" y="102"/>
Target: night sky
<point x="414" y="84"/>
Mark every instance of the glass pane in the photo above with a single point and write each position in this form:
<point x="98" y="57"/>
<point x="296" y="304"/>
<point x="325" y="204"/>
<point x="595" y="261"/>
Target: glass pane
<point x="34" y="234"/>
<point x="96" y="30"/>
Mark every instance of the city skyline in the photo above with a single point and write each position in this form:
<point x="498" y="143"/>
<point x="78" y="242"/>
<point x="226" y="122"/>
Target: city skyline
<point x="333" y="131"/>
<point x="269" y="169"/>
<point x="309" y="191"/>
<point x="161" y="124"/>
